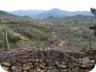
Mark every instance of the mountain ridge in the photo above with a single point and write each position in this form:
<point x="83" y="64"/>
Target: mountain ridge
<point x="61" y="13"/>
<point x="46" y="13"/>
<point x="26" y="12"/>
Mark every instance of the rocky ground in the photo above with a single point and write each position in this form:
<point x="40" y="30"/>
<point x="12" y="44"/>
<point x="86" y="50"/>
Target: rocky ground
<point x="48" y="60"/>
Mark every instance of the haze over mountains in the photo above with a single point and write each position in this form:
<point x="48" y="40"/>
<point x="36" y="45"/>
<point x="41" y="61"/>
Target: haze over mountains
<point x="46" y="13"/>
<point x="27" y="12"/>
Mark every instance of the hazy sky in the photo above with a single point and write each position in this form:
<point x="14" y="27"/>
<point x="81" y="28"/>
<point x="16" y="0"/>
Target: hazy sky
<point x="69" y="5"/>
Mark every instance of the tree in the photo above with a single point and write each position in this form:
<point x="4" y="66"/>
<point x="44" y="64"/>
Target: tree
<point x="93" y="11"/>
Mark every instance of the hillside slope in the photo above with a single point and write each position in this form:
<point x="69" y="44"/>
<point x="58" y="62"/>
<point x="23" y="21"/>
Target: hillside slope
<point x="5" y="17"/>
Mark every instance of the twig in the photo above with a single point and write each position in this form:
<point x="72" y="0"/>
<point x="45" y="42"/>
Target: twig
<point x="7" y="41"/>
<point x="90" y="43"/>
<point x="83" y="49"/>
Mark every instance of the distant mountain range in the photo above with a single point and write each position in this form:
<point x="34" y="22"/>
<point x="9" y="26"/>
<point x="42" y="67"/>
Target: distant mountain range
<point x="46" y="13"/>
<point x="30" y="13"/>
<point x="51" y="15"/>
<point x="8" y="16"/>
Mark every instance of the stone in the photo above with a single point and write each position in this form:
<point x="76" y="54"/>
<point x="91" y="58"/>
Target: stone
<point x="13" y="67"/>
<point x="85" y="60"/>
<point x="26" y="67"/>
<point x="92" y="61"/>
<point x="37" y="60"/>
<point x="6" y="64"/>
<point x="61" y="66"/>
<point x="38" y="70"/>
<point x="25" y="71"/>
<point x="16" y="69"/>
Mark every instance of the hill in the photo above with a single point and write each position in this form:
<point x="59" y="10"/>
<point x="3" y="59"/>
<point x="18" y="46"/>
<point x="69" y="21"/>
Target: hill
<point x="53" y="12"/>
<point x="5" y="14"/>
<point x="61" y="13"/>
<point x="30" y="13"/>
<point x="46" y="13"/>
<point x="6" y="17"/>
<point x="77" y="19"/>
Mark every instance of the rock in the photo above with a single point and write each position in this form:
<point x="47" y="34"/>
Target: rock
<point x="6" y="64"/>
<point x="42" y="66"/>
<point x="16" y="69"/>
<point x="84" y="60"/>
<point x="88" y="66"/>
<point x="26" y="67"/>
<point x="37" y="60"/>
<point x="38" y="69"/>
<point x="25" y="71"/>
<point x="92" y="61"/>
<point x="13" y="67"/>
<point x="61" y="66"/>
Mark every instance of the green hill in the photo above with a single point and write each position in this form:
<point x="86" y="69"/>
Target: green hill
<point x="7" y="18"/>
<point x="2" y="13"/>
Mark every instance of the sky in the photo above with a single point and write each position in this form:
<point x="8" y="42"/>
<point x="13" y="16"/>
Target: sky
<point x="69" y="5"/>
